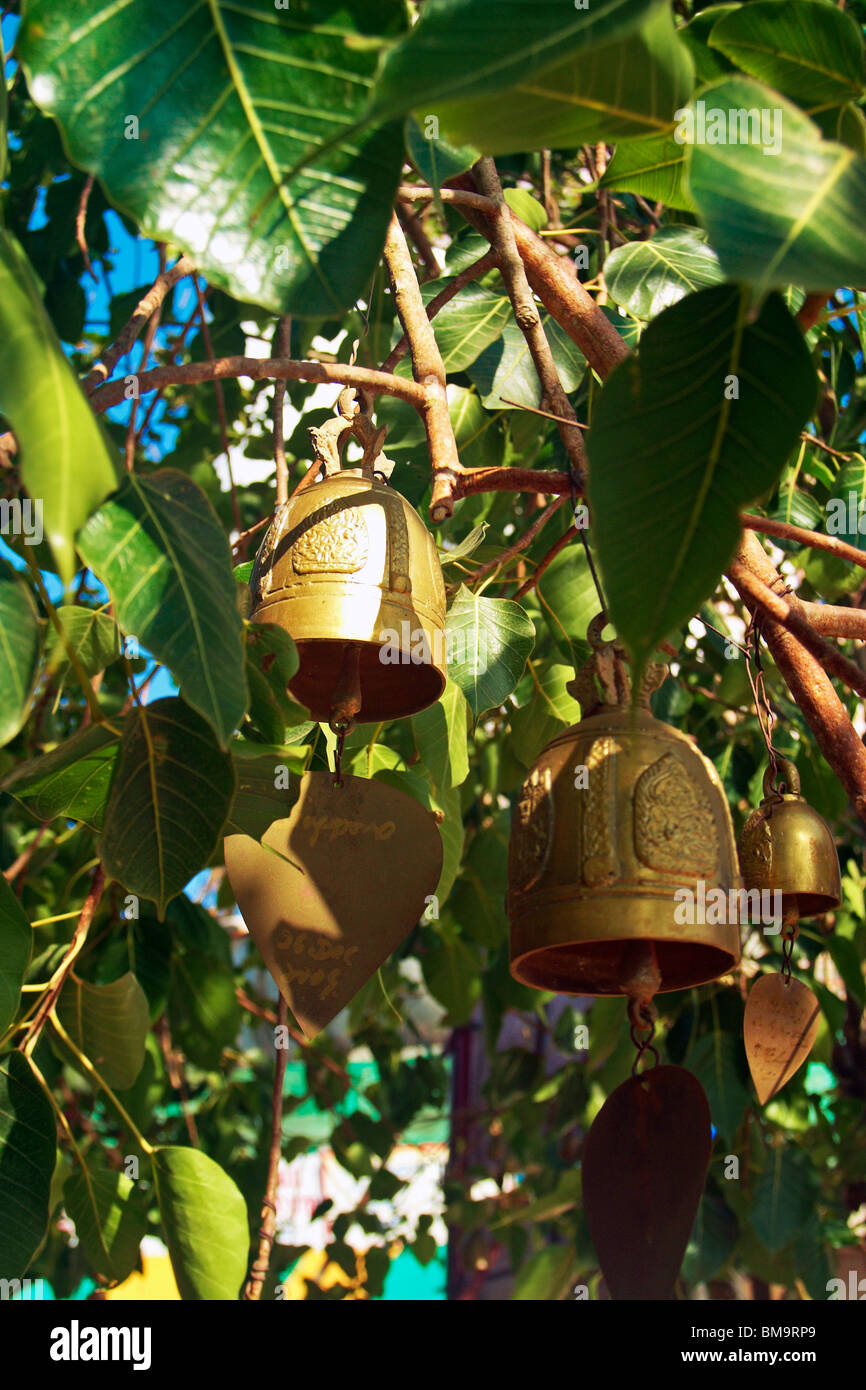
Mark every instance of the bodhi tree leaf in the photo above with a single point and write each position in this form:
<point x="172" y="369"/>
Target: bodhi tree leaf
<point x="165" y="559"/>
<point x="203" y="1008"/>
<point x="781" y="205"/>
<point x="653" y="166"/>
<point x="20" y="642"/>
<point x="440" y="737"/>
<point x="717" y="1061"/>
<point x="66" y="466"/>
<point x="109" y="1214"/>
<point x="109" y="1024"/>
<point x="465" y="326"/>
<point x="230" y="131"/>
<point x="783" y="1197"/>
<point x="170" y="796"/>
<point x="267" y="785"/>
<point x="549" y="710"/>
<point x="698" y="423"/>
<point x="646" y="277"/>
<point x="73" y="779"/>
<point x="28" y="1147"/>
<point x="436" y="160"/>
<point x="489" y="640"/>
<point x="16" y="941"/>
<point x="204" y="1219"/>
<point x="91" y="634"/>
<point x="504" y="372"/>
<point x="811" y="52"/>
<point x="630" y="87"/>
<point x="459" y="49"/>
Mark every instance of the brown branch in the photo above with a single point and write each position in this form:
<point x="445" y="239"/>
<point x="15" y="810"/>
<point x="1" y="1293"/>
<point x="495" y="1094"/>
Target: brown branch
<point x="259" y="1271"/>
<point x="412" y="224"/>
<point x="221" y="405"/>
<point x="262" y="369"/>
<point x="176" y="1078"/>
<point x="17" y="865"/>
<point x="79" y="936"/>
<point x="472" y="272"/>
<point x="284" y="334"/>
<point x="806" y="679"/>
<point x="810" y="310"/>
<point x="150" y="334"/>
<point x="80" y="219"/>
<point x="554" y="280"/>
<point x="817" y="539"/>
<point x="463" y="197"/>
<point x="164" y="282"/>
<point x="428" y="369"/>
<point x="244" y="536"/>
<point x="522" y="543"/>
<point x="836" y="620"/>
<point x="548" y="559"/>
<point x="786" y="612"/>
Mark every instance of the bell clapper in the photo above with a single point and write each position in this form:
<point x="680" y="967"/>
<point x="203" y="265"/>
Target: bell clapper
<point x="346" y="703"/>
<point x="790" y="932"/>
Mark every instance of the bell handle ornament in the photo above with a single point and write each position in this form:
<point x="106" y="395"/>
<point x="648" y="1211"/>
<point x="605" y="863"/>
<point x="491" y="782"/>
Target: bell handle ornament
<point x="774" y="789"/>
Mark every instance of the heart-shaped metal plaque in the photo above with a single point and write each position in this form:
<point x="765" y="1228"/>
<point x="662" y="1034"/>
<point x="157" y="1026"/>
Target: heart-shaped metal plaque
<point x="779" y="1028"/>
<point x="644" y="1169"/>
<point x="329" y="892"/>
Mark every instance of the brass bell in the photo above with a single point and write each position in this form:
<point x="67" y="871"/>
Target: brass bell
<point x="618" y="816"/>
<point x="786" y="847"/>
<point x="350" y="571"/>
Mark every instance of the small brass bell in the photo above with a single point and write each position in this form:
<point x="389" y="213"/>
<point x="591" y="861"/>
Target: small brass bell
<point x="350" y="571"/>
<point x="786" y="847"/>
<point x="619" y="814"/>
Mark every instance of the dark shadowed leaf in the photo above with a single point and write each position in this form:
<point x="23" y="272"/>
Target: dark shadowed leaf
<point x="20" y="641"/>
<point x="110" y="1216"/>
<point x="16" y="942"/>
<point x="73" y="779"/>
<point x="28" y="1147"/>
<point x="109" y="1024"/>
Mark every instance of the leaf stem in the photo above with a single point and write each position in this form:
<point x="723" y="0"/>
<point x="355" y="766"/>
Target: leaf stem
<point x="88" y="1067"/>
<point x="92" y="702"/>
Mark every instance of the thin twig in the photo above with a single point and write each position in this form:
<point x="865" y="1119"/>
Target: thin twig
<point x="80" y="219"/>
<point x="548" y="559"/>
<point x="528" y="318"/>
<point x="522" y="543"/>
<point x="150" y="334"/>
<point x="463" y="197"/>
<point x="79" y="936"/>
<point x="221" y="404"/>
<point x="816" y="539"/>
<point x="427" y="367"/>
<point x="259" y="1271"/>
<point x="102" y="369"/>
<point x="472" y="272"/>
<point x="283" y="336"/>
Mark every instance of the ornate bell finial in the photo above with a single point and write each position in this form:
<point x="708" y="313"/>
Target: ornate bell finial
<point x="349" y="570"/>
<point x="786" y="847"/>
<point x="619" y="814"/>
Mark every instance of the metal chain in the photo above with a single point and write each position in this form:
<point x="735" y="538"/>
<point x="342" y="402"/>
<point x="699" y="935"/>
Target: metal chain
<point x="763" y="708"/>
<point x="789" y="935"/>
<point x="342" y="728"/>
<point x="642" y="1017"/>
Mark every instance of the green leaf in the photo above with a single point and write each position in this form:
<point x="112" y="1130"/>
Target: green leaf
<point x="271" y="661"/>
<point x="109" y="1214"/>
<point x="204" y="1218"/>
<point x="504" y="372"/>
<point x="248" y="153"/>
<point x="846" y="506"/>
<point x="810" y="51"/>
<point x="440" y="738"/>
<point x="709" y="63"/>
<point x="16" y="942"/>
<point x="549" y="711"/>
<point x="109" y="1024"/>
<point x="436" y="160"/>
<point x="527" y="208"/>
<point x="258" y="800"/>
<point x="646" y="277"/>
<point x="629" y="87"/>
<point x="652" y="166"/>
<point x="465" y="326"/>
<point x="846" y="959"/>
<point x="204" y="1012"/>
<point x="20" y="642"/>
<point x="781" y="218"/>
<point x="547" y="1276"/>
<point x="477" y="900"/>
<point x="783" y="1197"/>
<point x="455" y="50"/>
<point x="160" y="550"/>
<point x="28" y="1147"/>
<point x="469" y="543"/>
<point x="564" y="1197"/>
<point x="451" y="974"/>
<point x="170" y="797"/>
<point x="686" y="432"/>
<point x="711" y="1242"/>
<point x="91" y="634"/>
<point x="717" y="1061"/>
<point x="452" y="835"/>
<point x="489" y="640"/>
<point x="72" y="780"/>
<point x="65" y="463"/>
<point x="568" y="599"/>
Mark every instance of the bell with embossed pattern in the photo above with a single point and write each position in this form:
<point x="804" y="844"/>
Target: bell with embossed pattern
<point x="350" y="571"/>
<point x="621" y="823"/>
<point x="786" y="847"/>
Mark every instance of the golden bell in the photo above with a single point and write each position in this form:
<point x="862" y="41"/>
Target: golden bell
<point x="786" y="847"/>
<point x="618" y="816"/>
<point x="350" y="571"/>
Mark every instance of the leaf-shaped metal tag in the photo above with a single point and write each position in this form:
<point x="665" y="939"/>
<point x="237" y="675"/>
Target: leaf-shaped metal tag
<point x="644" y="1168"/>
<point x="779" y="1028"/>
<point x="330" y="891"/>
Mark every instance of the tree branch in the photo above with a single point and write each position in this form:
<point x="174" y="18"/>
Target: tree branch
<point x="428" y="369"/>
<point x="528" y="318"/>
<point x="164" y="282"/>
<point x="472" y="272"/>
<point x="817" y="539"/>
<point x="259" y="1271"/>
